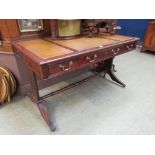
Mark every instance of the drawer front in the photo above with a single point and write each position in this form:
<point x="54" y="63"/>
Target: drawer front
<point x="91" y="58"/>
<point x="88" y="59"/>
<point x="64" y="66"/>
<point x="112" y="52"/>
<point x="129" y="46"/>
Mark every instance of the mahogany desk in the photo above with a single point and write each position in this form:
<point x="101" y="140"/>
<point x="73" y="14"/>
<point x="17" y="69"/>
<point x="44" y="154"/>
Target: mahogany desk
<point x="48" y="58"/>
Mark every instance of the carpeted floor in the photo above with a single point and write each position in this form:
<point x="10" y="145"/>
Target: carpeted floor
<point x="95" y="107"/>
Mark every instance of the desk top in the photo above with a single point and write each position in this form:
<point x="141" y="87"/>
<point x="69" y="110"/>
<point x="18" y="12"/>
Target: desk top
<point x="46" y="49"/>
<point x="86" y="43"/>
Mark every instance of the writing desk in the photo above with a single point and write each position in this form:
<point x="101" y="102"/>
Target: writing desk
<point x="49" y="58"/>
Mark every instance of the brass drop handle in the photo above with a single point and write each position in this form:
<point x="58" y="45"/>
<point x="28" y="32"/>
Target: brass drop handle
<point x="66" y="69"/>
<point x="129" y="47"/>
<point x="89" y="59"/>
<point x="115" y="52"/>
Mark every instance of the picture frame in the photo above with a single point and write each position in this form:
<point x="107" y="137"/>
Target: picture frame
<point x="29" y="25"/>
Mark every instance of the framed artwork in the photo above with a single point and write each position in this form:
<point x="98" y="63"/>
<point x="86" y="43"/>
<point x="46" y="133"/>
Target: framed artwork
<point x="28" y="25"/>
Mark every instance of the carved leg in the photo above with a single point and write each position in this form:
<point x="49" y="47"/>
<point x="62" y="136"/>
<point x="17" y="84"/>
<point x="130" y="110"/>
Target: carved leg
<point x="114" y="78"/>
<point x="107" y="67"/>
<point x="40" y="103"/>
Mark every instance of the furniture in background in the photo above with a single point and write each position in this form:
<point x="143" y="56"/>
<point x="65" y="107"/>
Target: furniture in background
<point x="7" y="85"/>
<point x="69" y="29"/>
<point x="96" y="26"/>
<point x="149" y="41"/>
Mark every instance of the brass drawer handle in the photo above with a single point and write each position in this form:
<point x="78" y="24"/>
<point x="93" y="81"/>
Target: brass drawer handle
<point x="130" y="47"/>
<point x="89" y="59"/>
<point x="115" y="52"/>
<point x="66" y="69"/>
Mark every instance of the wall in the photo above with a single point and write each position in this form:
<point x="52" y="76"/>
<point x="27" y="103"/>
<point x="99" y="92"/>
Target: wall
<point x="134" y="27"/>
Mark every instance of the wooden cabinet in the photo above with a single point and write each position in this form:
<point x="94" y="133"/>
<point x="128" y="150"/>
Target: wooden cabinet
<point x="149" y="41"/>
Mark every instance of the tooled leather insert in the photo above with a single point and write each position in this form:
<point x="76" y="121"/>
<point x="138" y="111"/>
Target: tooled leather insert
<point x="44" y="49"/>
<point x="84" y="43"/>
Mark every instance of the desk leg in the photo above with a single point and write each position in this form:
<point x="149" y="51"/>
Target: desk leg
<point x="114" y="78"/>
<point x="44" y="112"/>
<point x="34" y="87"/>
<point x="108" y="68"/>
<point x="40" y="103"/>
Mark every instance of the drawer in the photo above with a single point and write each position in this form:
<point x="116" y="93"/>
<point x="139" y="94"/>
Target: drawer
<point x="126" y="48"/>
<point x="88" y="59"/>
<point x="112" y="52"/>
<point x="91" y="58"/>
<point x="64" y="66"/>
<point x="118" y="50"/>
<point x="129" y="46"/>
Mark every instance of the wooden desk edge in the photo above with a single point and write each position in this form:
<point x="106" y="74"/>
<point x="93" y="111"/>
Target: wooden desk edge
<point x="41" y="61"/>
<point x="39" y="64"/>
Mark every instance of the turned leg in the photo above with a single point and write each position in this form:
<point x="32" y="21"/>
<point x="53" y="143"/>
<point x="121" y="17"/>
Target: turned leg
<point x="40" y="103"/>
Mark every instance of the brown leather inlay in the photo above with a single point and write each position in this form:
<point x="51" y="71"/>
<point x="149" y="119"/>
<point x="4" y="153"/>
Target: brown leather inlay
<point x="48" y="49"/>
<point x="44" y="49"/>
<point x="84" y="43"/>
<point x="51" y="40"/>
